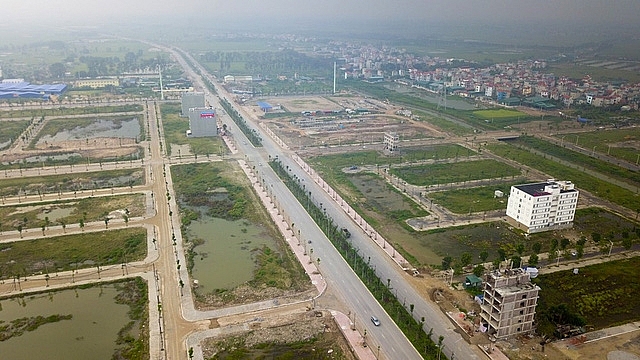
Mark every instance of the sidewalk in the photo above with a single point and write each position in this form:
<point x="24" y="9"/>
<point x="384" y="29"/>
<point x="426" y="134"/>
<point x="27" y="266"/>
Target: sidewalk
<point x="368" y="229"/>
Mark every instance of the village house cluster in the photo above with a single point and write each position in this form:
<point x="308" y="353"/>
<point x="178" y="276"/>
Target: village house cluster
<point x="524" y="82"/>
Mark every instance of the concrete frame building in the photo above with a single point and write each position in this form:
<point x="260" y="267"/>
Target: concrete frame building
<point x="509" y="303"/>
<point x="202" y="122"/>
<point x="192" y="100"/>
<point x="542" y="206"/>
<point x="390" y="141"/>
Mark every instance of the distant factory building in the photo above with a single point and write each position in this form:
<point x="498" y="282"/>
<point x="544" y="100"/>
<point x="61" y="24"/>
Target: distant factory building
<point x="202" y="122"/>
<point x="192" y="100"/>
<point x="19" y="89"/>
<point x="542" y="206"/>
<point x="98" y="83"/>
<point x="265" y="106"/>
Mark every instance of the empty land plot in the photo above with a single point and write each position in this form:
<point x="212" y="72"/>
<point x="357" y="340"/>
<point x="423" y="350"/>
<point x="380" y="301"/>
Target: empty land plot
<point x="299" y="104"/>
<point x="471" y="200"/>
<point x="604" y="295"/>
<point x="71" y="182"/>
<point x="623" y="144"/>
<point x="72" y="110"/>
<point x="63" y="253"/>
<point x="445" y="173"/>
<point x="582" y="180"/>
<point x="497" y="118"/>
<point x="10" y="130"/>
<point x="586" y="161"/>
<point x="71" y="211"/>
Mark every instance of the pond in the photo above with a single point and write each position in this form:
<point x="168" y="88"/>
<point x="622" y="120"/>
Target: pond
<point x="101" y="128"/>
<point x="225" y="259"/>
<point x="90" y="333"/>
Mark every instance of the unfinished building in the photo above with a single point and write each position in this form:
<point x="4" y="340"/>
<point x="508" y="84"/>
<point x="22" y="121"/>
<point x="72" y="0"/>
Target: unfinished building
<point x="509" y="303"/>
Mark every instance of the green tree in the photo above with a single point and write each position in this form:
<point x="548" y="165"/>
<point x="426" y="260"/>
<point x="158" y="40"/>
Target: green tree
<point x="446" y="262"/>
<point x="484" y="255"/>
<point x="502" y="255"/>
<point x="536" y="247"/>
<point x="515" y="261"/>
<point x="564" y="242"/>
<point x="520" y="248"/>
<point x="465" y="259"/>
<point x="533" y="260"/>
<point x="478" y="270"/>
<point x="596" y="237"/>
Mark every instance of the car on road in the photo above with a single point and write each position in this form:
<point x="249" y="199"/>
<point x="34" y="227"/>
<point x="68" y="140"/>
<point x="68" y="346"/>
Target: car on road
<point x="375" y="321"/>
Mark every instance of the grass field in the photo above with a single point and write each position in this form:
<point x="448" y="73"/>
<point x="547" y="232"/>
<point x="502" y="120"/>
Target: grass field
<point x="65" y="111"/>
<point x="472" y="200"/>
<point x="583" y="160"/>
<point x="618" y="143"/>
<point x="63" y="253"/>
<point x="71" y="211"/>
<point x="498" y="114"/>
<point x="10" y="130"/>
<point x="73" y="182"/>
<point x="444" y="173"/>
<point x="582" y="180"/>
<point x="604" y="295"/>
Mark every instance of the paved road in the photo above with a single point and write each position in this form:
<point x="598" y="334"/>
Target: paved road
<point x="338" y="274"/>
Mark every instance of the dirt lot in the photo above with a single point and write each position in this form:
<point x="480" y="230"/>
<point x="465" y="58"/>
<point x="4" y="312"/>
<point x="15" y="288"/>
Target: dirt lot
<point x="316" y="330"/>
<point x="363" y="129"/>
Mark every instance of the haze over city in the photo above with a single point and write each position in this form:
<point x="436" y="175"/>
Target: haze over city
<point x="457" y="11"/>
<point x="326" y="179"/>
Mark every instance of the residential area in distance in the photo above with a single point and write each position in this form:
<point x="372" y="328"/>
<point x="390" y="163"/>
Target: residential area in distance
<point x="223" y="191"/>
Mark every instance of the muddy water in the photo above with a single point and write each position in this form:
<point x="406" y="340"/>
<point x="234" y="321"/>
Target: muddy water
<point x="90" y="334"/>
<point x="225" y="261"/>
<point x="101" y="128"/>
<point x="54" y="214"/>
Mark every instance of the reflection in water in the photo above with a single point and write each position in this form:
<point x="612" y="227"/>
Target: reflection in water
<point x="90" y="334"/>
<point x="225" y="261"/>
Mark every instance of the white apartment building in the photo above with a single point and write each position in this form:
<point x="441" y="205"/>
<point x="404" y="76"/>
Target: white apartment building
<point x="509" y="303"/>
<point x="542" y="206"/>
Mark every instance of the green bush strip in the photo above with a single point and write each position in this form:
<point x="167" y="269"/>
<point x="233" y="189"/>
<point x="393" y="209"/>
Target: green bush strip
<point x="383" y="292"/>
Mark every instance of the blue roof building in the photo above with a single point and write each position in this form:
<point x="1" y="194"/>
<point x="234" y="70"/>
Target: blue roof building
<point x="25" y="90"/>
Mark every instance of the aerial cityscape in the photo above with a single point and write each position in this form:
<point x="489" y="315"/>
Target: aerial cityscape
<point x="320" y="180"/>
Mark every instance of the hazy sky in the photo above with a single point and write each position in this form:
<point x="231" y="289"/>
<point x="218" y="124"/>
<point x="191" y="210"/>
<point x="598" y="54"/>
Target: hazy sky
<point x="491" y="11"/>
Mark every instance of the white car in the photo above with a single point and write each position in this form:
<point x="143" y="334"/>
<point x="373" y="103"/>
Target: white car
<point x="375" y="321"/>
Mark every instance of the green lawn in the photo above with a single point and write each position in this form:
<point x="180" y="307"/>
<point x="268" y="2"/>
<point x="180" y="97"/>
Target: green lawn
<point x="63" y="253"/>
<point x="618" y="143"/>
<point x="604" y="295"/>
<point x="444" y="173"/>
<point x="498" y="114"/>
<point x="475" y="199"/>
<point x="582" y="180"/>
